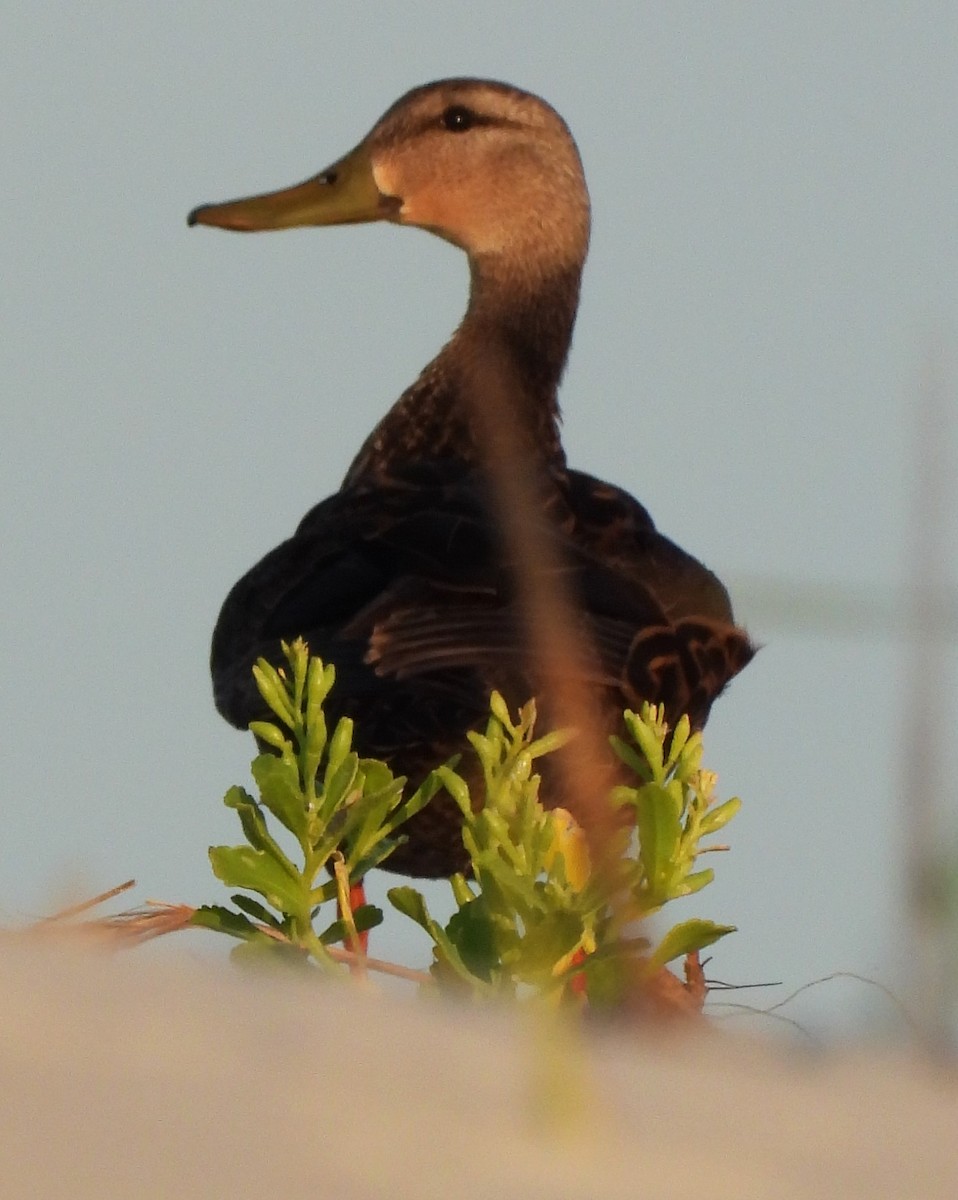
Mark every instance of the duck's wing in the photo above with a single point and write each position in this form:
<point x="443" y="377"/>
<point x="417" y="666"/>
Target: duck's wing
<point x="684" y="659"/>
<point x="659" y="623"/>
<point x="422" y="544"/>
<point x="409" y="590"/>
<point x="613" y="528"/>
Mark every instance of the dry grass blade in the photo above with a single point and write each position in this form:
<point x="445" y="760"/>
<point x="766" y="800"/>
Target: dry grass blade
<point x="129" y="927"/>
<point x="561" y="652"/>
<point x="74" y="910"/>
<point x="156" y="918"/>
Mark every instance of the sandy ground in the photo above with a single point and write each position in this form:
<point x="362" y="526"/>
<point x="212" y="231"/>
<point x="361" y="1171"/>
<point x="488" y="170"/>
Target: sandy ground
<point x="124" y="1077"/>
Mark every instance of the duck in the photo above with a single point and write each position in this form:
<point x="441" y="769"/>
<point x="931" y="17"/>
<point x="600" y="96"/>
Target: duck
<point x="404" y="578"/>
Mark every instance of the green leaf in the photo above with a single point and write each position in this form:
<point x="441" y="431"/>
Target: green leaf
<point x="237" y="796"/>
<point x="340" y="745"/>
<point x="362" y="827"/>
<point x="272" y="735"/>
<point x="313" y="747"/>
<point x="622" y="796"/>
<point x="337" y="784"/>
<point x="633" y="761"/>
<point x="608" y="979"/>
<point x="367" y="916"/>
<point x="648" y="742"/>
<point x="500" y="710"/>
<point x="461" y="892"/>
<point x="411" y="904"/>
<point x="321" y="895"/>
<point x="377" y="775"/>
<point x="375" y="814"/>
<point x="272" y="687"/>
<point x="680" y="735"/>
<point x="418" y="800"/>
<point x="224" y="920"/>
<point x="456" y="786"/>
<point x="485" y="749"/>
<point x="550" y="939"/>
<point x="254" y="825"/>
<point x="550" y="742"/>
<point x="660" y="830"/>
<point x="257" y="911"/>
<point x="279" y="786"/>
<point x="719" y="817"/>
<point x="297" y="655"/>
<point x="374" y="858"/>
<point x="690" y="759"/>
<point x="685" y="939"/>
<point x="257" y="871"/>
<point x="695" y="882"/>
<point x="319" y="683"/>
<point x="473" y="932"/>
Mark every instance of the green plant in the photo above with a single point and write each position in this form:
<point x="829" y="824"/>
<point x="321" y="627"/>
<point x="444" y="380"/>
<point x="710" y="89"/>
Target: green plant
<point x="536" y="915"/>
<point x="342" y="813"/>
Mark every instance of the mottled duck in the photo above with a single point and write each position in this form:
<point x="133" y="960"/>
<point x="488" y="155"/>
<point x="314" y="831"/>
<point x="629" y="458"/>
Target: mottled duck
<point x="403" y="578"/>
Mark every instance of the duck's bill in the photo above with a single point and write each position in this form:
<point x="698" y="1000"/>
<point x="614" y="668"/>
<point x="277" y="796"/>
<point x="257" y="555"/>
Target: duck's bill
<point x="343" y="194"/>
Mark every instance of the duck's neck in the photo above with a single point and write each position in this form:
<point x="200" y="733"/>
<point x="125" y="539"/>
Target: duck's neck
<point x="515" y="336"/>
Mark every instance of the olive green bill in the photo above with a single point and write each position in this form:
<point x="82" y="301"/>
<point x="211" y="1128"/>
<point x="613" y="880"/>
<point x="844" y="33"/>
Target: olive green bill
<point x="343" y="194"/>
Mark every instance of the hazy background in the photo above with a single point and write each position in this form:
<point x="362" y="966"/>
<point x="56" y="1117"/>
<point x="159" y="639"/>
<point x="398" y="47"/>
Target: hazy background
<point x="774" y="261"/>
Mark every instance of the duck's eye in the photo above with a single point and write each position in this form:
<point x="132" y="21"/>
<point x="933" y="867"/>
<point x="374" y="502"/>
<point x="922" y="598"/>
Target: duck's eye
<point x="457" y="118"/>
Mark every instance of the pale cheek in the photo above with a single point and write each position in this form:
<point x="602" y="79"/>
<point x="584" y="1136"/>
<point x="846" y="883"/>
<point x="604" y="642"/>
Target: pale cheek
<point x="386" y="178"/>
<point x="450" y="215"/>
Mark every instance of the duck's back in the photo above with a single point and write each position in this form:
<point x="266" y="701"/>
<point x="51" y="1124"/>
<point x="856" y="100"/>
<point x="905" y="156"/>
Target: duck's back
<point x="407" y="587"/>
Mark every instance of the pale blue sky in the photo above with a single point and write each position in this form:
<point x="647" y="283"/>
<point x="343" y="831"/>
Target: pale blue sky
<point x="774" y="243"/>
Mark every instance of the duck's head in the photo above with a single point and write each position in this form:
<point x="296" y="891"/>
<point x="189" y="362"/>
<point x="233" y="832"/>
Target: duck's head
<point x="485" y="166"/>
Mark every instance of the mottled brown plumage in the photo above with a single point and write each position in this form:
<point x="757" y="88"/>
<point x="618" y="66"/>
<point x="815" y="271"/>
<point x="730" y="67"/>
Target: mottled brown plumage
<point x="404" y="578"/>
